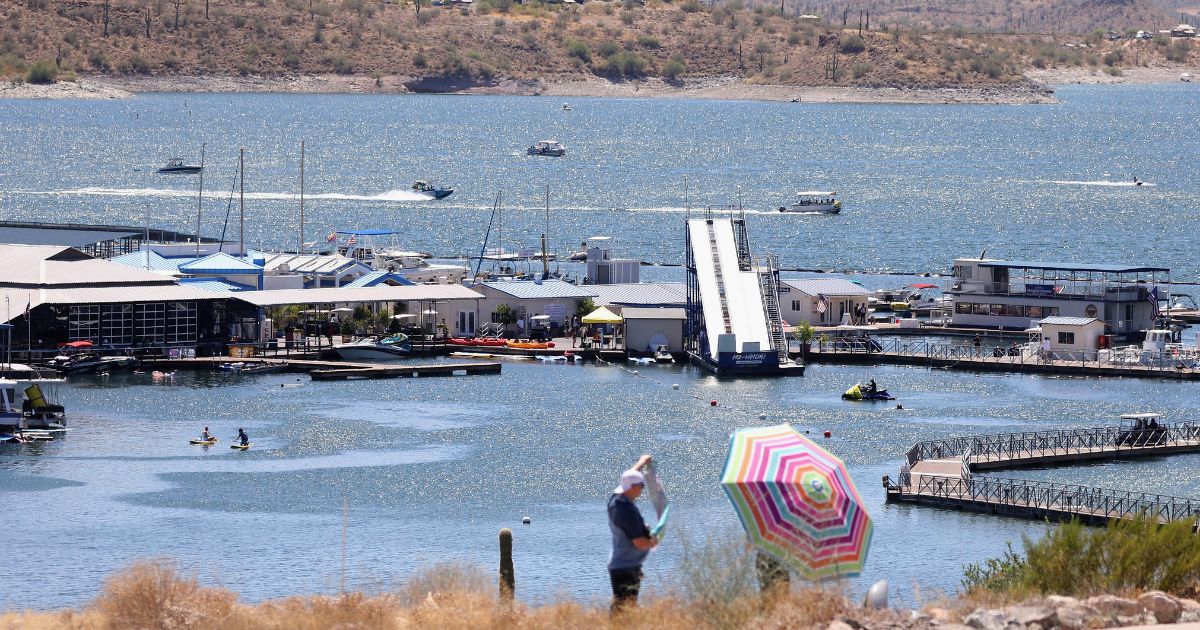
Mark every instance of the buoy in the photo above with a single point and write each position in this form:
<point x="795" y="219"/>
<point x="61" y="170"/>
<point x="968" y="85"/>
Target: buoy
<point x="675" y="386"/>
<point x="526" y="520"/>
<point x="635" y="371"/>
<point x="713" y="403"/>
<point x="828" y="433"/>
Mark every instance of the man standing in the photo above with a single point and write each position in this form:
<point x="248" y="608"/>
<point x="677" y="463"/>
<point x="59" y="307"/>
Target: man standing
<point x="631" y="538"/>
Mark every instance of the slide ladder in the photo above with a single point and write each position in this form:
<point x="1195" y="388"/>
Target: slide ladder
<point x="743" y="245"/>
<point x="720" y="277"/>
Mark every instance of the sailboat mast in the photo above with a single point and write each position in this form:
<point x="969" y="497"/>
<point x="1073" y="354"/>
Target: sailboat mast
<point x="545" y="258"/>
<point x="301" y="197"/>
<point x="199" y="201"/>
<point x="242" y="200"/>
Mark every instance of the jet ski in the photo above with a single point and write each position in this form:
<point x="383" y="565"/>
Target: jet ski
<point x="864" y="392"/>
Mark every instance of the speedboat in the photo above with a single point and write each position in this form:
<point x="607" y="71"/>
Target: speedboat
<point x="567" y="106"/>
<point x="424" y="187"/>
<point x="550" y="148"/>
<point x="114" y="364"/>
<point x="864" y="392"/>
<point x="176" y="166"/>
<point x="814" y="202"/>
<point x="389" y="348"/>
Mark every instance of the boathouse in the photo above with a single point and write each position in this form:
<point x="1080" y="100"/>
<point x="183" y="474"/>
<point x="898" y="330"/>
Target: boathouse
<point x="60" y="294"/>
<point x="1016" y="294"/>
<point x="557" y="300"/>
<point x="648" y="328"/>
<point x="1071" y="334"/>
<point x="820" y="301"/>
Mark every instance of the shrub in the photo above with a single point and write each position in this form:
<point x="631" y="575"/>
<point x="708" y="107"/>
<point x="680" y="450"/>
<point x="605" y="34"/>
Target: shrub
<point x="628" y="17"/>
<point x="97" y="60"/>
<point x="648" y="41"/>
<point x="1115" y="72"/>
<point x="42" y="72"/>
<point x="137" y="65"/>
<point x="860" y="70"/>
<point x="1074" y="560"/>
<point x="1112" y="58"/>
<point x="627" y="64"/>
<point x="342" y="65"/>
<point x="691" y="6"/>
<point x="852" y="45"/>
<point x="419" y="60"/>
<point x="578" y="50"/>
<point x="672" y="69"/>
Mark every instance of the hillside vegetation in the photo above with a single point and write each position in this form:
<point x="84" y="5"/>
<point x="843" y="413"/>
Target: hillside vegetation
<point x="496" y="41"/>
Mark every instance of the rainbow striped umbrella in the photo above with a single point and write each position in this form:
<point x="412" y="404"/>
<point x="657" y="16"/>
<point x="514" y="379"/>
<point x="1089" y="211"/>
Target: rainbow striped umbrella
<point x="797" y="502"/>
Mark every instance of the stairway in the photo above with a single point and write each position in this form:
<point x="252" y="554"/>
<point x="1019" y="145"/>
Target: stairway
<point x="770" y="295"/>
<point x="716" y="257"/>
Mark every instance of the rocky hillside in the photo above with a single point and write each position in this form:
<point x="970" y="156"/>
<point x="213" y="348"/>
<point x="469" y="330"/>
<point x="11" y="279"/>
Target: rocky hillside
<point x="492" y="41"/>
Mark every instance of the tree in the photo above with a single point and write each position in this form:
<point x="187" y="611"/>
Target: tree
<point x="505" y="315"/>
<point x="584" y="306"/>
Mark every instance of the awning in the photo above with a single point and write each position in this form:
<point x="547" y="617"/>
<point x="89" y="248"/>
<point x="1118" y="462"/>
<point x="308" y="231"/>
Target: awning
<point x="602" y="316"/>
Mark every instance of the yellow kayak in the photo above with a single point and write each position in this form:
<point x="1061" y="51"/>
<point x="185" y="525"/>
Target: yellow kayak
<point x="240" y="447"/>
<point x="208" y="442"/>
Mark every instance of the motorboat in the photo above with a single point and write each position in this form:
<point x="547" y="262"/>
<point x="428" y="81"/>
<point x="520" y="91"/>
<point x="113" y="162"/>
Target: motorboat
<point x="77" y="363"/>
<point x="567" y="106"/>
<point x="862" y="391"/>
<point x="379" y="249"/>
<point x="424" y="187"/>
<point x="116" y="364"/>
<point x="176" y="166"/>
<point x="390" y="348"/>
<point x="24" y="405"/>
<point x="548" y="148"/>
<point x="814" y="202"/>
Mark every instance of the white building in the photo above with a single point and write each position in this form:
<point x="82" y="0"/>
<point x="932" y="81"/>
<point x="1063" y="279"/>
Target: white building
<point x="554" y="298"/>
<point x="820" y="301"/>
<point x="648" y="328"/>
<point x="1071" y="333"/>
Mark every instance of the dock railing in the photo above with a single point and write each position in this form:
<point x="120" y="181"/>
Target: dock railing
<point x="1094" y="503"/>
<point x="1008" y="446"/>
<point x="1020" y="354"/>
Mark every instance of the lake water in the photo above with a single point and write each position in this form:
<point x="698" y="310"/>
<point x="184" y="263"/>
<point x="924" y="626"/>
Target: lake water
<point x="920" y="184"/>
<point x="431" y="469"/>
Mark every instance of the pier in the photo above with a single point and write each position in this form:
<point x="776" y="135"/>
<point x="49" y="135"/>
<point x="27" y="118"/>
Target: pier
<point x="941" y="473"/>
<point x="336" y="370"/>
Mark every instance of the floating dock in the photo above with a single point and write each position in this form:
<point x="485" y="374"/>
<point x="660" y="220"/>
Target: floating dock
<point x="941" y="473"/>
<point x="336" y="370"/>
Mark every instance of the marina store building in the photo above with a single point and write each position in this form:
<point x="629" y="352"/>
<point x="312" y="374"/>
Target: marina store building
<point x="1016" y="295"/>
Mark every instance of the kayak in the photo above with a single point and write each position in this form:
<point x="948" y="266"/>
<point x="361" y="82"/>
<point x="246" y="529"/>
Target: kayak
<point x="239" y="447"/>
<point x="531" y="345"/>
<point x="459" y="341"/>
<point x="208" y="442"/>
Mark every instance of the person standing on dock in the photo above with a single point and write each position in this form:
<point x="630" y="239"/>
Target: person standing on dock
<point x="632" y="541"/>
<point x="976" y="343"/>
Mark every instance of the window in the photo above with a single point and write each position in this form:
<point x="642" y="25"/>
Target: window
<point x="1051" y="311"/>
<point x="181" y="322"/>
<point x="149" y="324"/>
<point x="981" y="309"/>
<point x="1066" y="338"/>
<point x="962" y="308"/>
<point x="963" y="271"/>
<point x="997" y="309"/>
<point x="1034" y="312"/>
<point x="117" y="324"/>
<point x="1015" y="310"/>
<point x="796" y="305"/>
<point x="84" y="323"/>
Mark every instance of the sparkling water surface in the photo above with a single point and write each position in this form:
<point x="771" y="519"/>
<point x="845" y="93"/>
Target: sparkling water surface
<point x="431" y="469"/>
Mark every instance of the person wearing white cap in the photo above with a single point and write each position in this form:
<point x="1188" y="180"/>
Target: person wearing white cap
<point x="632" y="541"/>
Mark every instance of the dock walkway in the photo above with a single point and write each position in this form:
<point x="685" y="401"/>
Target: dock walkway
<point x="940" y="472"/>
<point x="941" y="355"/>
<point x="337" y="370"/>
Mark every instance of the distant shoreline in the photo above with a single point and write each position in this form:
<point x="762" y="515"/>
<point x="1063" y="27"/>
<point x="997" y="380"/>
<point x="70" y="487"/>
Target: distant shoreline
<point x="1037" y="91"/>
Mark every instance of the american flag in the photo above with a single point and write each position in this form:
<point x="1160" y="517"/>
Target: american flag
<point x="1152" y="298"/>
<point x="331" y="238"/>
<point x="822" y="303"/>
<point x="353" y="240"/>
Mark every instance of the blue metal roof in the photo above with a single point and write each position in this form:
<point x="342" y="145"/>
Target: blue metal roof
<point x="640" y="294"/>
<point x="220" y="263"/>
<point x="367" y="232"/>
<point x="544" y="289"/>
<point x="379" y="277"/>
<point x="1055" y="266"/>
<point x="138" y="260"/>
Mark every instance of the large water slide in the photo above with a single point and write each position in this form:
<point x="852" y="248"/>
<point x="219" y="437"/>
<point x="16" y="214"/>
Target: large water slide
<point x="732" y="299"/>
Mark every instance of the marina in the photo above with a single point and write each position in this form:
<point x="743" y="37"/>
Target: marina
<point x="221" y="334"/>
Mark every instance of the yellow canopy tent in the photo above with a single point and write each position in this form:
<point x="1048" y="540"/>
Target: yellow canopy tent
<point x="602" y="316"/>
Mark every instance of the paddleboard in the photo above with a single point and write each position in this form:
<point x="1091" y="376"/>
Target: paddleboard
<point x="658" y="496"/>
<point x="239" y="446"/>
<point x="203" y="442"/>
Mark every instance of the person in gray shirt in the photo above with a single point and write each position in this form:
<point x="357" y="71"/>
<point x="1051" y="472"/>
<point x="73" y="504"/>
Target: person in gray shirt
<point x="632" y="541"/>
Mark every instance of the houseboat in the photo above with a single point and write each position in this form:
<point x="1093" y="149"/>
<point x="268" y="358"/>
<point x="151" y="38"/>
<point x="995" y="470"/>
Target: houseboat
<point x="1014" y="295"/>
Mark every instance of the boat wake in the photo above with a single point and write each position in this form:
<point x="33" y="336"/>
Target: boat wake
<point x="1100" y="182"/>
<point x="391" y="195"/>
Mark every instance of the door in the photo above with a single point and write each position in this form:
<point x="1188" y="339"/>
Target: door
<point x="466" y="322"/>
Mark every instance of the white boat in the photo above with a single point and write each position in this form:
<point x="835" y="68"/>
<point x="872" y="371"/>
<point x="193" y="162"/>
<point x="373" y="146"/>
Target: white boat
<point x="549" y="148"/>
<point x="379" y="249"/>
<point x="815" y="202"/>
<point x="1185" y="77"/>
<point x="25" y="404"/>
<point x="567" y="107"/>
<point x="427" y="189"/>
<point x="386" y="349"/>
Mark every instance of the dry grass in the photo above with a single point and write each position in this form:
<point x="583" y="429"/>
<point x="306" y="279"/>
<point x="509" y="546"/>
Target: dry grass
<point x="154" y="594"/>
